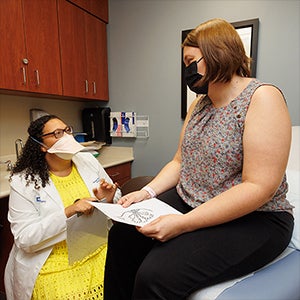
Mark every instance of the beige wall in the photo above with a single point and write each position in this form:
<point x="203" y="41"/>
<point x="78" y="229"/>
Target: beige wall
<point x="15" y="117"/>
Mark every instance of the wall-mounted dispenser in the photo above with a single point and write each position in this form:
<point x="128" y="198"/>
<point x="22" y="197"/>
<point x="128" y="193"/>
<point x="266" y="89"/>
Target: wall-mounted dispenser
<point x="123" y="124"/>
<point x="128" y="124"/>
<point x="96" y="124"/>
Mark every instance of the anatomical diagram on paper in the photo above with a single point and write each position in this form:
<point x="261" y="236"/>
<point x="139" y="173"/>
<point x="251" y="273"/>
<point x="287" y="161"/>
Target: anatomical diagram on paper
<point x="138" y="214"/>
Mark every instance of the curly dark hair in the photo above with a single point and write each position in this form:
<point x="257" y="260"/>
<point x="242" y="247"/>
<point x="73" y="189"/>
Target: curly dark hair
<point x="32" y="160"/>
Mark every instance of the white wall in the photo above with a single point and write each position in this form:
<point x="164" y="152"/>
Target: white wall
<point x="15" y="117"/>
<point x="144" y="61"/>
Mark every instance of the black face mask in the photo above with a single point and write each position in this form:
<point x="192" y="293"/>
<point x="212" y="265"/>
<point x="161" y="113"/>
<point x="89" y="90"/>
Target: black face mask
<point x="192" y="77"/>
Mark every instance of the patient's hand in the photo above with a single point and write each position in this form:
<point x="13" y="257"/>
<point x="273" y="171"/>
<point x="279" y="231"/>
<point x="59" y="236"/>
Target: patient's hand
<point x="133" y="197"/>
<point x="105" y="190"/>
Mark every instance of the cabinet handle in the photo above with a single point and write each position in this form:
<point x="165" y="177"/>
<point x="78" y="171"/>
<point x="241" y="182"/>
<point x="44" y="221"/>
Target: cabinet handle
<point x="115" y="174"/>
<point x="37" y="75"/>
<point x="24" y="75"/>
<point x="86" y="86"/>
<point x="25" y="61"/>
<point x="94" y="87"/>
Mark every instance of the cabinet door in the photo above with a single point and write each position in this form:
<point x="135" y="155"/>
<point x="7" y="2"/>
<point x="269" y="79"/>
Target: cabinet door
<point x="12" y="50"/>
<point x="41" y="28"/>
<point x="73" y="51"/>
<point x="29" y="52"/>
<point x="98" y="8"/>
<point x="96" y="42"/>
<point x="119" y="173"/>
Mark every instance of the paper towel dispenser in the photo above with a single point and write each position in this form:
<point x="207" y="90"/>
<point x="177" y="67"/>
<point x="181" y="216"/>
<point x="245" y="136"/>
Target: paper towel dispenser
<point x="96" y="124"/>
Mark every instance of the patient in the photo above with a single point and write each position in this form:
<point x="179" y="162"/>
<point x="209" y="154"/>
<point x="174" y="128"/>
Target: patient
<point x="51" y="182"/>
<point x="229" y="175"/>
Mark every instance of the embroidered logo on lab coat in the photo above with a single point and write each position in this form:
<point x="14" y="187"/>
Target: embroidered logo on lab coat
<point x="38" y="199"/>
<point x="97" y="180"/>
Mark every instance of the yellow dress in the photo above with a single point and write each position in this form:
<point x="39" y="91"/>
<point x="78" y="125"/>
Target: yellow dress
<point x="57" y="279"/>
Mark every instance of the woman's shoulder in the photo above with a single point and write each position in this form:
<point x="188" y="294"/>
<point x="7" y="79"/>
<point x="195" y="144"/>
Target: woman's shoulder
<point x="19" y="181"/>
<point x="268" y="92"/>
<point x="199" y="103"/>
<point x="87" y="159"/>
<point x="84" y="156"/>
<point x="261" y="87"/>
<point x="17" y="177"/>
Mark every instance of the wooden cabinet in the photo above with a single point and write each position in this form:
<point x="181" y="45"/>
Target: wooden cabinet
<point x="29" y="52"/>
<point x="54" y="48"/>
<point x="72" y="47"/>
<point x="6" y="238"/>
<point x="96" y="57"/>
<point x="120" y="173"/>
<point x="83" y="53"/>
<point x="43" y="53"/>
<point x="12" y="49"/>
<point x="98" y="8"/>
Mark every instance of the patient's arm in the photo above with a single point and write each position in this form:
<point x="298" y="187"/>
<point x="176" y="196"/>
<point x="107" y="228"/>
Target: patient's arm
<point x="168" y="176"/>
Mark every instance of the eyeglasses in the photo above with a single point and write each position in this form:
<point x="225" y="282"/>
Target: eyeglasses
<point x="197" y="61"/>
<point x="58" y="133"/>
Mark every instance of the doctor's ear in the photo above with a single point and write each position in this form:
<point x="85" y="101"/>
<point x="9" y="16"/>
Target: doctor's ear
<point x="43" y="149"/>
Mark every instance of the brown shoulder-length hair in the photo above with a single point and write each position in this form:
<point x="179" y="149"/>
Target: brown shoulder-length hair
<point x="222" y="49"/>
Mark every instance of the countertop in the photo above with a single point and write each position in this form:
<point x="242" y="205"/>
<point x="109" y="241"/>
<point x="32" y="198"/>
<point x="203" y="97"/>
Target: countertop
<point x="109" y="156"/>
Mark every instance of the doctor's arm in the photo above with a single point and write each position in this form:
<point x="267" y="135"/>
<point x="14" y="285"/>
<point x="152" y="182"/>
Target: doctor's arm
<point x="35" y="225"/>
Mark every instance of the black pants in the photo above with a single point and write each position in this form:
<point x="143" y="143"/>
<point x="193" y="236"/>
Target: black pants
<point x="140" y="268"/>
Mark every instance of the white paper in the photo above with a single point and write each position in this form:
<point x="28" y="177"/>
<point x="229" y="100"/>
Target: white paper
<point x="138" y="214"/>
<point x="85" y="234"/>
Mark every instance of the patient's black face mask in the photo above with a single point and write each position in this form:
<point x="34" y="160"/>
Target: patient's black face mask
<point x="192" y="77"/>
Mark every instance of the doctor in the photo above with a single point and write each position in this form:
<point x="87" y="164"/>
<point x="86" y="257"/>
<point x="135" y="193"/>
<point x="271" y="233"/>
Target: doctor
<point x="51" y="182"/>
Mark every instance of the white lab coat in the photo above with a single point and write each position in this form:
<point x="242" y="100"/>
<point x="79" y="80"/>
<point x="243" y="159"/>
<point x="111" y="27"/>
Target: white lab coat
<point x="38" y="222"/>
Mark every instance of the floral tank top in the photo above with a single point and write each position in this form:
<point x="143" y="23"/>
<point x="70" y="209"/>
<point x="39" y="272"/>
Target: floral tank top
<point x="212" y="152"/>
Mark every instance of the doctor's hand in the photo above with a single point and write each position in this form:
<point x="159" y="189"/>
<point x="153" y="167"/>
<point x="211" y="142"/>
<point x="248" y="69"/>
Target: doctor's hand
<point x="105" y="190"/>
<point x="80" y="206"/>
<point x="133" y="197"/>
<point x="164" y="228"/>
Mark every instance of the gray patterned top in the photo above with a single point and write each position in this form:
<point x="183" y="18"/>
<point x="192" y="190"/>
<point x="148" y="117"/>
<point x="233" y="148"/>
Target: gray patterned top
<point x="212" y="152"/>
